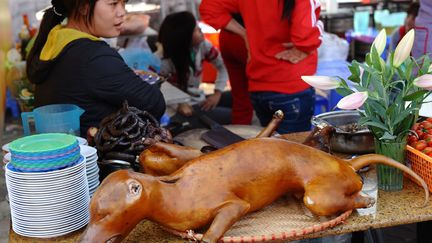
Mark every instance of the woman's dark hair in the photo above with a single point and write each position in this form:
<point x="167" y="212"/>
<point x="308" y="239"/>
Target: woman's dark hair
<point x="288" y="6"/>
<point x="175" y="34"/>
<point x="53" y="16"/>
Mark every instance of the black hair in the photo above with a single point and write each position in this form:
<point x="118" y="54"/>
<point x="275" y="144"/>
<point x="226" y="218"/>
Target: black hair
<point x="413" y="9"/>
<point x="175" y="35"/>
<point x="288" y="6"/>
<point x="53" y="16"/>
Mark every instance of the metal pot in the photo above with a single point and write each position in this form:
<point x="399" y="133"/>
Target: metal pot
<point x="357" y="142"/>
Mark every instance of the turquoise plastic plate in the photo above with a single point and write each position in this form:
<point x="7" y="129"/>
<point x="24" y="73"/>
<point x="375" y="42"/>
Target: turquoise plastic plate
<point x="42" y="143"/>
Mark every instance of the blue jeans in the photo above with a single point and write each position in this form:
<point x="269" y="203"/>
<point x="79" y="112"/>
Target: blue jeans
<point x="298" y="109"/>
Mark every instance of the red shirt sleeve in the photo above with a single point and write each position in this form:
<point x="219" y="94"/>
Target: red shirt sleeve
<point x="217" y="13"/>
<point x="306" y="28"/>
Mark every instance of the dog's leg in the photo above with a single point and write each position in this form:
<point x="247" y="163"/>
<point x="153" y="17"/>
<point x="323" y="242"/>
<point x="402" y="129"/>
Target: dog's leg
<point x="226" y="216"/>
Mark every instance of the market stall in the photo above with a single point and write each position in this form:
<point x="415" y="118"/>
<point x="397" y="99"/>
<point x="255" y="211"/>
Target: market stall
<point x="131" y="131"/>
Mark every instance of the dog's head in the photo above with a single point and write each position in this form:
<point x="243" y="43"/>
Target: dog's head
<point x="116" y="207"/>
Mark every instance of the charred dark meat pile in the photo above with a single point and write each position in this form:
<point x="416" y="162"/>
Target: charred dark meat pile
<point x="353" y="127"/>
<point x="126" y="133"/>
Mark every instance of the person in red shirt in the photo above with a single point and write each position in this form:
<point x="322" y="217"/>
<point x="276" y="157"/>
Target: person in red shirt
<point x="397" y="35"/>
<point x="282" y="40"/>
<point x="234" y="54"/>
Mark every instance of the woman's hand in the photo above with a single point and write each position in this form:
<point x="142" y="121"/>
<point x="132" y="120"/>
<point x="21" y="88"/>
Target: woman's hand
<point x="211" y="102"/>
<point x="185" y="109"/>
<point x="291" y="54"/>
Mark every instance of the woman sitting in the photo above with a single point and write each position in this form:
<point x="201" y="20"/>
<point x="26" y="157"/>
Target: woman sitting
<point x="69" y="63"/>
<point x="184" y="52"/>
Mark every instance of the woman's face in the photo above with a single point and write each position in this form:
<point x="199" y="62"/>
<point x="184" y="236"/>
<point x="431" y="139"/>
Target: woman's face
<point x="108" y="18"/>
<point x="197" y="36"/>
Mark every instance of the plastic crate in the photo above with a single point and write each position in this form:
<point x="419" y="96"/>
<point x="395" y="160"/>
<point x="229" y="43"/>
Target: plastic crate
<point x="420" y="164"/>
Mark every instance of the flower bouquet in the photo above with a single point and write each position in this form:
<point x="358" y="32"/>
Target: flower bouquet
<point x="390" y="95"/>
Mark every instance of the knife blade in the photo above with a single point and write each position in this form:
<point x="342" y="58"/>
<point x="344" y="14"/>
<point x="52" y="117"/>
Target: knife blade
<point x="218" y="136"/>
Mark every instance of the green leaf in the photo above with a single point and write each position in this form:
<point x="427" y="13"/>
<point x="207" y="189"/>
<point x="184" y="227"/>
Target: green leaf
<point x="376" y="124"/>
<point x="343" y="83"/>
<point x="402" y="116"/>
<point x="406" y="124"/>
<point x="363" y="120"/>
<point x="409" y="68"/>
<point x="426" y="64"/>
<point x="391" y="111"/>
<point x="355" y="72"/>
<point x="344" y="91"/>
<point x="377" y="107"/>
<point x="387" y="136"/>
<point x="391" y="58"/>
<point x="368" y="59"/>
<point x="376" y="59"/>
<point x="415" y="96"/>
<point x="378" y="85"/>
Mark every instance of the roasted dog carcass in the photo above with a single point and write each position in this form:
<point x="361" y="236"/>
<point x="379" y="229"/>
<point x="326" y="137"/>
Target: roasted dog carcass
<point x="163" y="158"/>
<point x="218" y="188"/>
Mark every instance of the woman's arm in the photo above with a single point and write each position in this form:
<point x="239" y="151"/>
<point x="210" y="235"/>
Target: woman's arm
<point x="212" y="55"/>
<point x="217" y="13"/>
<point x="306" y="28"/>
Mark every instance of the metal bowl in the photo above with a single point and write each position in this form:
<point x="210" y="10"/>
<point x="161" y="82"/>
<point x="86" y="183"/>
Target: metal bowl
<point x="356" y="142"/>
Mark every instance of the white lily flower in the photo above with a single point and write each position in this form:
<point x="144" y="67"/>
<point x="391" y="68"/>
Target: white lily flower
<point x="322" y="82"/>
<point x="380" y="42"/>
<point x="424" y="81"/>
<point x="403" y="49"/>
<point x="353" y="101"/>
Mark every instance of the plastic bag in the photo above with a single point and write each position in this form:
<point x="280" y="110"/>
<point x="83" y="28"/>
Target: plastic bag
<point x="333" y="48"/>
<point x="139" y="59"/>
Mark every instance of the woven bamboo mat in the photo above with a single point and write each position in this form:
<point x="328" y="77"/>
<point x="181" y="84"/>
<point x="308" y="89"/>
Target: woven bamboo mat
<point x="284" y="219"/>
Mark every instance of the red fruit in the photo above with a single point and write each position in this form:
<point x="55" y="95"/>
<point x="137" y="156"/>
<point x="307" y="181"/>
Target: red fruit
<point x="427" y="150"/>
<point x="420" y="145"/>
<point x="427" y="137"/>
<point x="429" y="154"/>
<point x="412" y="139"/>
<point x="429" y="119"/>
<point x="420" y="133"/>
<point x="426" y="124"/>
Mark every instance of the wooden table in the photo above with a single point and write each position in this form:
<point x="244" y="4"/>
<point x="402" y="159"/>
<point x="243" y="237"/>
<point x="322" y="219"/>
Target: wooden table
<point x="392" y="208"/>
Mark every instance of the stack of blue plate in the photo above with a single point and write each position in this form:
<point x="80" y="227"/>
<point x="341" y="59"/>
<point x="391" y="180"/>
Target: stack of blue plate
<point x="44" y="152"/>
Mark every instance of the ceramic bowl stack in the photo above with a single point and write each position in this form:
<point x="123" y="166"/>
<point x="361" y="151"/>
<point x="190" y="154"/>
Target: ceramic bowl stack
<point x="92" y="168"/>
<point x="52" y="202"/>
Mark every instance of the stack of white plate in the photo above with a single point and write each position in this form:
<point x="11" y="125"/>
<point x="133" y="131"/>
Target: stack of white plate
<point x="82" y="141"/>
<point x="48" y="204"/>
<point x="92" y="168"/>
